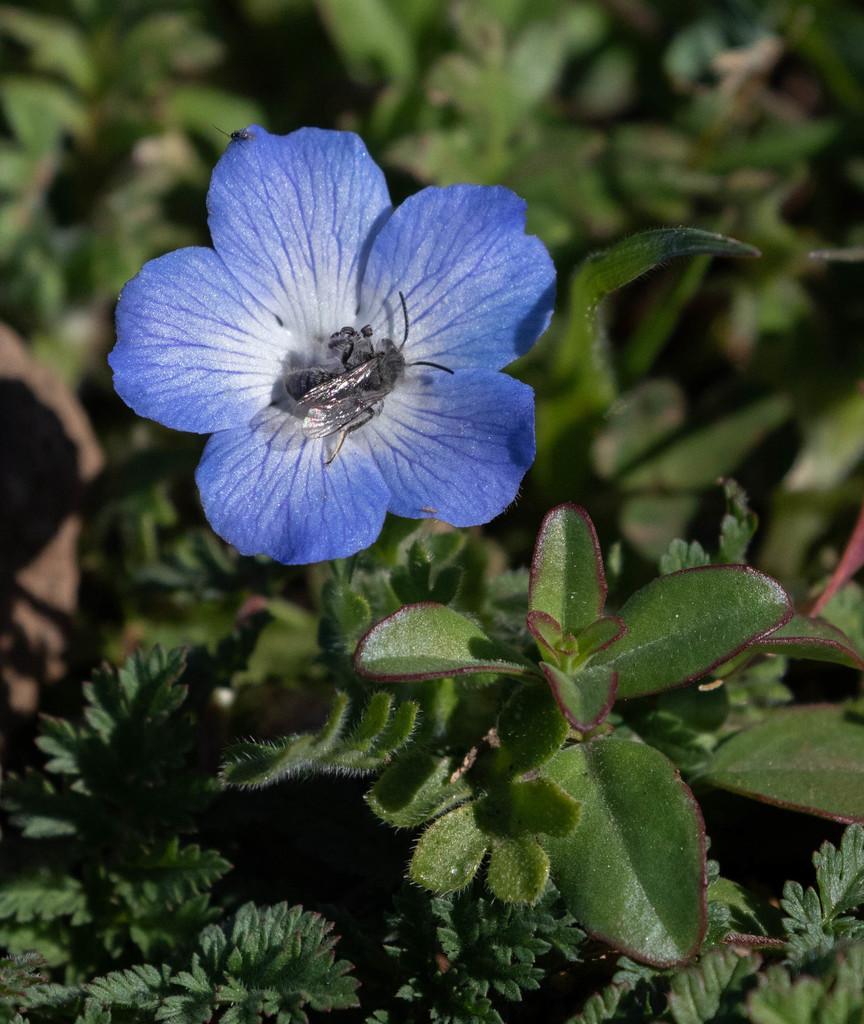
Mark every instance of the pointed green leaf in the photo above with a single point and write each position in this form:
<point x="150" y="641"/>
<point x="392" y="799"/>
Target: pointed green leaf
<point x="567" y="580"/>
<point x="600" y="634"/>
<point x="449" y="852"/>
<point x="518" y="870"/>
<point x="604" y="272"/>
<point x="546" y="631"/>
<point x="633" y="872"/>
<point x="807" y="758"/>
<point x="683" y="625"/>
<point x="431" y="641"/>
<point x="804" y="637"/>
<point x="585" y="698"/>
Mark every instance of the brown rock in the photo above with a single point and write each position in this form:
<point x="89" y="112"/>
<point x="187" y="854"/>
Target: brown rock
<point x="48" y="456"/>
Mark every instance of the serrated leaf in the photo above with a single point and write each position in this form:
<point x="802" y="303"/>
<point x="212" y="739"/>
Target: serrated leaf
<point x="807" y="758"/>
<point x="633" y="872"/>
<point x="840" y="873"/>
<point x="430" y="641"/>
<point x="141" y="987"/>
<point x="715" y="989"/>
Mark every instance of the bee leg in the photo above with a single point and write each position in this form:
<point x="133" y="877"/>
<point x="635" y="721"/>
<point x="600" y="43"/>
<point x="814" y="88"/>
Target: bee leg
<point x="356" y="425"/>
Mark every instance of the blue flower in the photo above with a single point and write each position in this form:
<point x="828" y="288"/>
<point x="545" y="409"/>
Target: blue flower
<point x="303" y="466"/>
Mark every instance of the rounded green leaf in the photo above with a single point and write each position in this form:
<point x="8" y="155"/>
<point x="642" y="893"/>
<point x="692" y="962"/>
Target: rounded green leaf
<point x="530" y="727"/>
<point x="633" y="872"/>
<point x="518" y="870"/>
<point x="430" y="641"/>
<point x="807" y="758"/>
<point x="685" y="624"/>
<point x="535" y="807"/>
<point x="415" y="788"/>
<point x="449" y="852"/>
<point x="567" y="580"/>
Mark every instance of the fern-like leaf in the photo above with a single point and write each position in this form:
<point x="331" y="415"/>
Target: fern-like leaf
<point x="462" y="955"/>
<point x="816" y="920"/>
<point x="715" y="989"/>
<point x="276" y="961"/>
<point x="339" y="747"/>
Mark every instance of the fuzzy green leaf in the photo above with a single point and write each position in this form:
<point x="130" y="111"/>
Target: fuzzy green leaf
<point x="531" y="728"/>
<point x="449" y="852"/>
<point x="430" y="641"/>
<point x="585" y="698"/>
<point x="417" y="787"/>
<point x="533" y="807"/>
<point x="681" y="626"/>
<point x="518" y="870"/>
<point x="808" y="758"/>
<point x="804" y="637"/>
<point x="365" y="747"/>
<point x="633" y="872"/>
<point x="567" y="579"/>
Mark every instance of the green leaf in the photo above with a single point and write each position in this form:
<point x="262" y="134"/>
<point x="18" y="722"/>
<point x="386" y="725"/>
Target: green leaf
<point x="417" y="787"/>
<point x="748" y="914"/>
<point x="430" y="641"/>
<point x="530" y="727"/>
<point x="383" y="728"/>
<point x="683" y="625"/>
<point x="604" y="272"/>
<point x="567" y="580"/>
<point x="449" y="852"/>
<point x="807" y="758"/>
<point x="804" y="637"/>
<point x="633" y="872"/>
<point x="518" y="870"/>
<point x="585" y="698"/>
<point x="841" y="872"/>
<point x="533" y="807"/>
<point x="714" y="990"/>
<point x="277" y="960"/>
<point x="56" y="46"/>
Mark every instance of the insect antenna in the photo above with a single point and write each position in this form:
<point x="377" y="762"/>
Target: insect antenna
<point x="405" y="314"/>
<point x="418" y="362"/>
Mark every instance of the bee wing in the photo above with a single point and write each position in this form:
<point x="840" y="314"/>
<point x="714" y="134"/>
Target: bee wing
<point x="336" y="403"/>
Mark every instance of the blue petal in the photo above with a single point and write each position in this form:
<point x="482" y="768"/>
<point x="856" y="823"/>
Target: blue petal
<point x="452" y="447"/>
<point x="294" y="217"/>
<point x="266" y="490"/>
<point x="194" y="350"/>
<point x="479" y="290"/>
